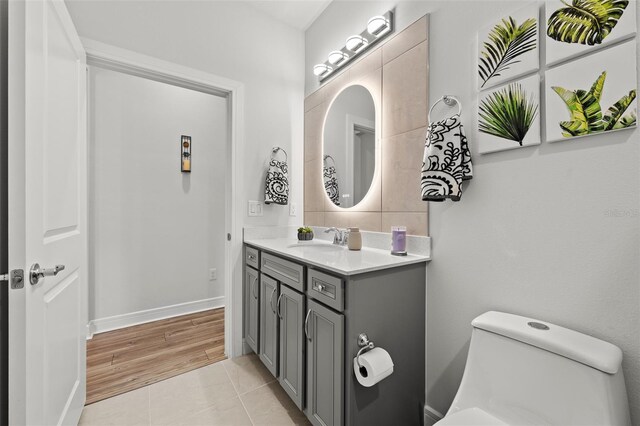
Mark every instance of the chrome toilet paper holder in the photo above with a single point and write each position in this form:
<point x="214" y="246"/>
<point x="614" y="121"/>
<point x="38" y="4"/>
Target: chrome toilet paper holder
<point x="365" y="345"/>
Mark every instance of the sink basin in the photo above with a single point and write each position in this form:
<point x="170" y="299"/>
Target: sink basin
<point x="310" y="245"/>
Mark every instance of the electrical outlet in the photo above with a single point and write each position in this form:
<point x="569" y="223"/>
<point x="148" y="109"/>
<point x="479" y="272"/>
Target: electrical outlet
<point x="255" y="208"/>
<point x="213" y="274"/>
<point x="293" y="209"/>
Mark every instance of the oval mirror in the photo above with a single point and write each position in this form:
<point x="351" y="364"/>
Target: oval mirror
<point x="349" y="146"/>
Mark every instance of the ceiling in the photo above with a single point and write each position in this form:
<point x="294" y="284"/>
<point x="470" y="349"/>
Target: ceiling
<point x="299" y="14"/>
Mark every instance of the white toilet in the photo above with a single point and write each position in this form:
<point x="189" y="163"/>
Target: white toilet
<point x="521" y="371"/>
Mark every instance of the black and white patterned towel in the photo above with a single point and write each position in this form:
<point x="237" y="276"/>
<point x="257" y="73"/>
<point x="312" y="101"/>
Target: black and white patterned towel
<point x="331" y="181"/>
<point x="447" y="160"/>
<point x="277" y="184"/>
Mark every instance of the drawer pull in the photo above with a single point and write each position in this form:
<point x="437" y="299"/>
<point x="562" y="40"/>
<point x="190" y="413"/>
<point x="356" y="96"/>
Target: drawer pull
<point x="255" y="281"/>
<point x="278" y="306"/>
<point x="324" y="288"/>
<point x="306" y="325"/>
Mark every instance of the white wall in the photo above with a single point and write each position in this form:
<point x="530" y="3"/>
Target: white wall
<point x="229" y="39"/>
<point x="155" y="231"/>
<point x="534" y="233"/>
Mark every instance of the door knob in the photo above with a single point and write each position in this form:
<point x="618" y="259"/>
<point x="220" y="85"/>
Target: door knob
<point x="35" y="273"/>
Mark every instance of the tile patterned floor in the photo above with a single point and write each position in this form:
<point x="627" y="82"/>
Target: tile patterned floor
<point x="237" y="391"/>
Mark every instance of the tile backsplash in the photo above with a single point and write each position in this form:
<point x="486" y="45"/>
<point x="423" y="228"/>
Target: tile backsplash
<point x="396" y="74"/>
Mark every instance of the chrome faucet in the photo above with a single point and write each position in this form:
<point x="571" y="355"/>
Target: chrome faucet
<point x="341" y="236"/>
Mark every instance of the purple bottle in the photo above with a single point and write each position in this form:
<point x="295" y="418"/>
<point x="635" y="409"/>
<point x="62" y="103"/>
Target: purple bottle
<point x="399" y="240"/>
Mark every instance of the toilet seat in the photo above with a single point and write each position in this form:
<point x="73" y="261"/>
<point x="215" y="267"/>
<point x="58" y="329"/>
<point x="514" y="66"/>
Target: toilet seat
<point x="470" y="417"/>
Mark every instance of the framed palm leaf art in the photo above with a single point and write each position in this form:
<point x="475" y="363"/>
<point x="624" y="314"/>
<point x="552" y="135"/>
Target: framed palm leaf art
<point x="574" y="28"/>
<point x="592" y="95"/>
<point x="509" y="116"/>
<point x="508" y="47"/>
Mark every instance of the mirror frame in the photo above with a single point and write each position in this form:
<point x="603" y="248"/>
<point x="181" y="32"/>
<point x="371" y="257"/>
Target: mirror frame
<point x="378" y="144"/>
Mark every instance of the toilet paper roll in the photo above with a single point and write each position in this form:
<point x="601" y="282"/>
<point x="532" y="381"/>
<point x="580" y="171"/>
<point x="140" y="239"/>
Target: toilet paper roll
<point x="376" y="366"/>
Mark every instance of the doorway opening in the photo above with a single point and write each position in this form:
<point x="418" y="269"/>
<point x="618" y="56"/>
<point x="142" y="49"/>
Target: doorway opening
<point x="364" y="159"/>
<point x="160" y="255"/>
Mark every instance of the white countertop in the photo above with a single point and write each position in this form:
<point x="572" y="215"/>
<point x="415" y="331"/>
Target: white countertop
<point x="338" y="259"/>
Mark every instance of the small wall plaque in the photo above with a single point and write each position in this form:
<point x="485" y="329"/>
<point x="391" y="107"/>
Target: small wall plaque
<point x="185" y="149"/>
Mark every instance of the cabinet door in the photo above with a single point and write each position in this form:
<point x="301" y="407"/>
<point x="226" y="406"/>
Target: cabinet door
<point x="251" y="308"/>
<point x="324" y="330"/>
<point x="290" y="309"/>
<point x="269" y="323"/>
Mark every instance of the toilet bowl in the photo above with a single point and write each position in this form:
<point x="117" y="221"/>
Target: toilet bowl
<point x="521" y="371"/>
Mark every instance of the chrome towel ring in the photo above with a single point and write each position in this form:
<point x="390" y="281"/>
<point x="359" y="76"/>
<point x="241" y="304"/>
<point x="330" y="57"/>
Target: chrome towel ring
<point x="449" y="101"/>
<point x="326" y="157"/>
<point x="275" y="150"/>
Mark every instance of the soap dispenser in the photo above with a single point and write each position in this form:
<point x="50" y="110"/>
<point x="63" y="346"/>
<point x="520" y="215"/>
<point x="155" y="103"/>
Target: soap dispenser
<point x="355" y="239"/>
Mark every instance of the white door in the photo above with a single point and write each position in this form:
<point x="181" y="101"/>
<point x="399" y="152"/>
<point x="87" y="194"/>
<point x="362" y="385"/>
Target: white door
<point x="47" y="214"/>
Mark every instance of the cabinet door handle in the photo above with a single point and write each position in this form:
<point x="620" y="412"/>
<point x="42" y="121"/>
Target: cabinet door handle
<point x="278" y="306"/>
<point x="255" y="281"/>
<point x="271" y="300"/>
<point x="306" y="325"/>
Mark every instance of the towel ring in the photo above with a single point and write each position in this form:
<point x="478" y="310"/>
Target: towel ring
<point x="275" y="150"/>
<point x="449" y="101"/>
<point x="332" y="159"/>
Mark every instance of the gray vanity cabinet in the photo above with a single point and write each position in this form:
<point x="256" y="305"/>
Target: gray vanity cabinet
<point x="305" y="320"/>
<point x="324" y="330"/>
<point x="251" y="307"/>
<point x="291" y="311"/>
<point x="269" y="323"/>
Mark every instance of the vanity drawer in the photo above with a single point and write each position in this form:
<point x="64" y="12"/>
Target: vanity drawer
<point x="286" y="272"/>
<point x="252" y="257"/>
<point x="326" y="289"/>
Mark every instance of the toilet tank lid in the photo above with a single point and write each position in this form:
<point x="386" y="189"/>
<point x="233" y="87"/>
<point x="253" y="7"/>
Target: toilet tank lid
<point x="570" y="344"/>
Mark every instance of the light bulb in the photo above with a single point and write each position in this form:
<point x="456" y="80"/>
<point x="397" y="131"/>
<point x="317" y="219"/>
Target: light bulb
<point x="378" y="25"/>
<point x="356" y="43"/>
<point x="321" y="69"/>
<point x="337" y="56"/>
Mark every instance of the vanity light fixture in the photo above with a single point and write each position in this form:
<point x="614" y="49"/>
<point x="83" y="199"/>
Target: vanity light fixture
<point x="378" y="27"/>
<point x="322" y="70"/>
<point x="356" y="43"/>
<point x="337" y="57"/>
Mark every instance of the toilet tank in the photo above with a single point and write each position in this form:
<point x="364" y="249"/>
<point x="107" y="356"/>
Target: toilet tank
<point x="528" y="372"/>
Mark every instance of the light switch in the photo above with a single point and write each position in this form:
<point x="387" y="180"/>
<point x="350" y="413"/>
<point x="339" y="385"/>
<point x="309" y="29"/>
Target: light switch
<point x="255" y="208"/>
<point x="293" y="209"/>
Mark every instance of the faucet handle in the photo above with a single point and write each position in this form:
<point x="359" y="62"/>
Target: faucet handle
<point x="345" y="236"/>
<point x="340" y="237"/>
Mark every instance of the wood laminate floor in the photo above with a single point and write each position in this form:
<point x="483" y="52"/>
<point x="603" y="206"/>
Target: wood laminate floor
<point x="130" y="358"/>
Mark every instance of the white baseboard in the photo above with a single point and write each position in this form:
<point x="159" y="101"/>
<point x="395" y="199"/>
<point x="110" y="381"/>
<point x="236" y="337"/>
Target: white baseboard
<point x="431" y="416"/>
<point x="100" y="325"/>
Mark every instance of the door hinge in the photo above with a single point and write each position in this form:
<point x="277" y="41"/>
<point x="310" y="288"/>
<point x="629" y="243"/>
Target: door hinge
<point x="15" y="278"/>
